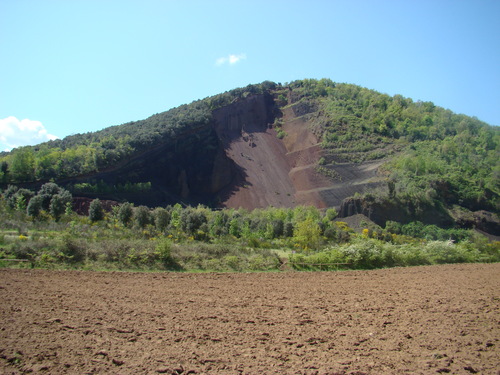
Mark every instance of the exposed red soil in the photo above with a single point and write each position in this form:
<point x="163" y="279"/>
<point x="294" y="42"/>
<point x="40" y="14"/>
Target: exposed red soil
<point x="265" y="166"/>
<point x="304" y="151"/>
<point x="274" y="172"/>
<point x="422" y="320"/>
<point x="282" y="172"/>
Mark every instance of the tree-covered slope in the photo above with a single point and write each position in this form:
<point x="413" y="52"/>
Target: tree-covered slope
<point x="428" y="159"/>
<point x="96" y="151"/>
<point x="433" y="152"/>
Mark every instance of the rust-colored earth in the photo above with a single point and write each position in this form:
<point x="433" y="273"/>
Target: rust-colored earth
<point x="283" y="172"/>
<point x="422" y="320"/>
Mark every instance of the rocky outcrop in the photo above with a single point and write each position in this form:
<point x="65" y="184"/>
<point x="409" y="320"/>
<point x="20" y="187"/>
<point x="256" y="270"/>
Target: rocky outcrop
<point x="380" y="210"/>
<point x="482" y="220"/>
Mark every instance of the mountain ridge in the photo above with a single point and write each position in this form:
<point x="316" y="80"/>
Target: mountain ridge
<point x="311" y="142"/>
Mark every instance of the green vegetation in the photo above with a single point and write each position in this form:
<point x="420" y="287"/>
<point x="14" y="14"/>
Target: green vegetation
<point x="200" y="239"/>
<point x="432" y="155"/>
<point x="88" y="153"/>
<point x="431" y="158"/>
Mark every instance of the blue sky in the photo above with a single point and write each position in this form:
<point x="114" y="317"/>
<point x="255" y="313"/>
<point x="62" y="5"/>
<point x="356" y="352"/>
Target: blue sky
<point x="74" y="66"/>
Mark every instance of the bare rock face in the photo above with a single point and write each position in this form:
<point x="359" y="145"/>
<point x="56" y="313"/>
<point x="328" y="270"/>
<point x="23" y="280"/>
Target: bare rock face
<point x="238" y="160"/>
<point x="482" y="220"/>
<point x="381" y="210"/>
<point x="222" y="172"/>
<point x="250" y="115"/>
<point x="259" y="158"/>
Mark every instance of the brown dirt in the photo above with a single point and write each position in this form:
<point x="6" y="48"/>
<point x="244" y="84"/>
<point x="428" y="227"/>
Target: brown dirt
<point x="265" y="167"/>
<point x="282" y="173"/>
<point x="422" y="320"/>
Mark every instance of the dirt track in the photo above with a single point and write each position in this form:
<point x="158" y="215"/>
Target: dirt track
<point x="424" y="320"/>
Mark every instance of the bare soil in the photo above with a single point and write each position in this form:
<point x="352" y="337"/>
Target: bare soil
<point x="422" y="320"/>
<point x="282" y="173"/>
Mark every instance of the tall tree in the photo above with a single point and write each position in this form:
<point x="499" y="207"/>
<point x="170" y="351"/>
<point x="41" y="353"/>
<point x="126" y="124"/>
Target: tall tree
<point x="22" y="166"/>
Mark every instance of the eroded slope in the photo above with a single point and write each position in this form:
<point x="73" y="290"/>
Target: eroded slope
<point x="283" y="172"/>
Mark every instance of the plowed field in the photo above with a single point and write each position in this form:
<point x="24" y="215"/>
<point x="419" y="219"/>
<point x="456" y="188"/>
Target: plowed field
<point x="422" y="320"/>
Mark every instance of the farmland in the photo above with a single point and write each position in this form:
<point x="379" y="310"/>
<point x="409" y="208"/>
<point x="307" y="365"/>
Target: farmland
<point x="418" y="320"/>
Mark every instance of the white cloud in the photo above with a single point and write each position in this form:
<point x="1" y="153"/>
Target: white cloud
<point x="16" y="133"/>
<point x="230" y="59"/>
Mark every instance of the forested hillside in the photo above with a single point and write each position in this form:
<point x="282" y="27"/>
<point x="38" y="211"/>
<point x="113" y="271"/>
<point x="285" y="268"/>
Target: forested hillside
<point x="427" y="161"/>
<point x="93" y="152"/>
<point x="434" y="153"/>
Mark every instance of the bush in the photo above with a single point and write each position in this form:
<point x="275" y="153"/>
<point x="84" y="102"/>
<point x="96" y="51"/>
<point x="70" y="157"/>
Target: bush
<point x="161" y="219"/>
<point x="96" y="212"/>
<point x="142" y="216"/>
<point x="125" y="213"/>
<point x="163" y="251"/>
<point x="71" y="250"/>
<point x="57" y="207"/>
<point x="34" y="206"/>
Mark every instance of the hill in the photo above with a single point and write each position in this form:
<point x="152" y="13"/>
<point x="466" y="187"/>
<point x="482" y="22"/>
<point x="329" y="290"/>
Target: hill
<point x="309" y="142"/>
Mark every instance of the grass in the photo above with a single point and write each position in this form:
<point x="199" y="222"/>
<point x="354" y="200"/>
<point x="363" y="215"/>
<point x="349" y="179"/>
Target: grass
<point x="149" y="255"/>
<point x="76" y="243"/>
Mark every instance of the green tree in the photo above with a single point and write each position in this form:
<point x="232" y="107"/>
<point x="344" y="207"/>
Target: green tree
<point x="22" y="198"/>
<point x="142" y="216"/>
<point x="96" y="211"/>
<point x="161" y="218"/>
<point x="125" y="213"/>
<point x="175" y="216"/>
<point x="10" y="196"/>
<point x="34" y="206"/>
<point x="47" y="191"/>
<point x="20" y="203"/>
<point x="307" y="233"/>
<point x="192" y="220"/>
<point x="4" y="170"/>
<point x="57" y="206"/>
<point x="22" y="166"/>
<point x="278" y="227"/>
<point x="288" y="229"/>
<point x="234" y="227"/>
<point x="331" y="214"/>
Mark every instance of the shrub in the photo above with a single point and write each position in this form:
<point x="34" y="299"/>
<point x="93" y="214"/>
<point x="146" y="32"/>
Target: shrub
<point x="330" y="234"/>
<point x="57" y="207"/>
<point x="34" y="206"/>
<point x="96" y="212"/>
<point x="72" y="251"/>
<point x="125" y="213"/>
<point x="163" y="251"/>
<point x="161" y="218"/>
<point x="288" y="229"/>
<point x="307" y="233"/>
<point x="142" y="216"/>
<point x="233" y="262"/>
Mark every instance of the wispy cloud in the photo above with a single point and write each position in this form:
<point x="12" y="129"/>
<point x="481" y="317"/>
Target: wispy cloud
<point x="15" y="133"/>
<point x="230" y="59"/>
